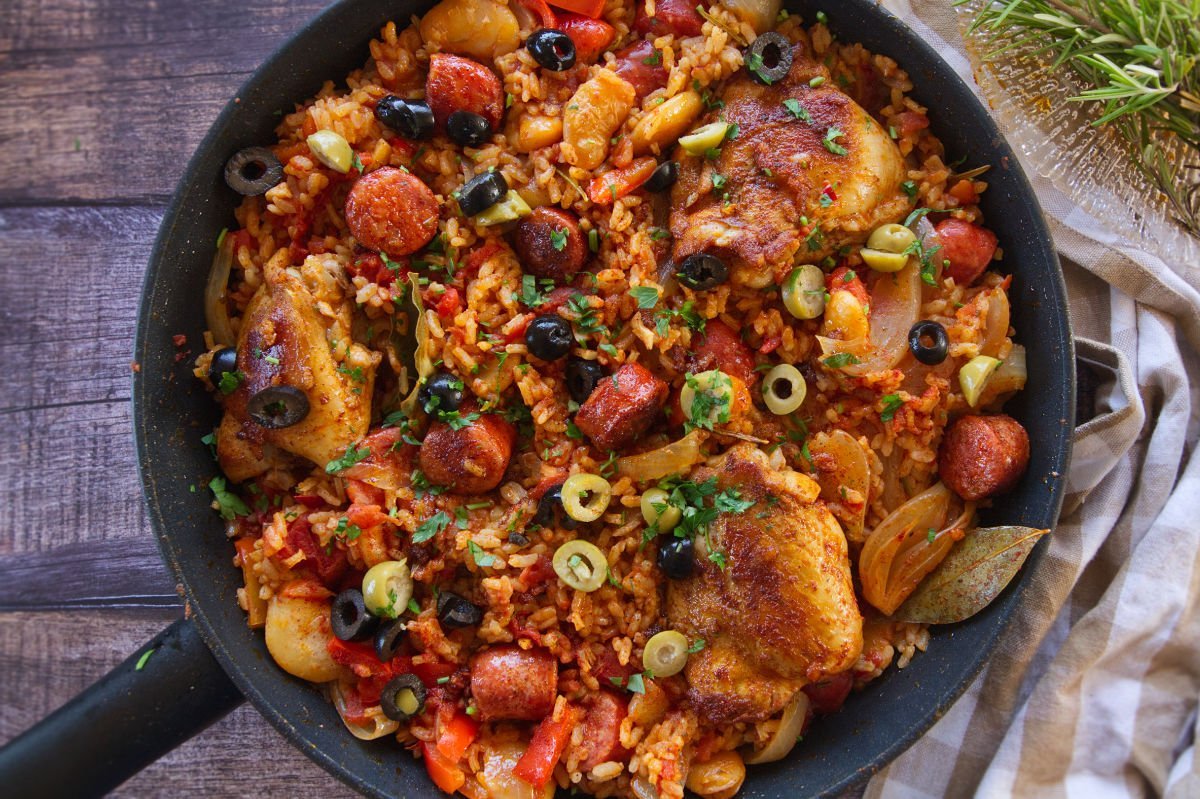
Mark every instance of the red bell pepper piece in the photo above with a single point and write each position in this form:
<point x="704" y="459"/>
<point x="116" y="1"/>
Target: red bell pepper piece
<point x="444" y="773"/>
<point x="455" y="735"/>
<point x="605" y="189"/>
<point x="589" y="8"/>
<point x="550" y="738"/>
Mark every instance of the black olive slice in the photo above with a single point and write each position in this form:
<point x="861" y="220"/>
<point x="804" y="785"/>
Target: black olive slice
<point x="276" y="407"/>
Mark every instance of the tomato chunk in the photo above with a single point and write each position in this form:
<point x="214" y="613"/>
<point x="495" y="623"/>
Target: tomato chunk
<point x="641" y="65"/>
<point x="845" y="279"/>
<point x="678" y="17"/>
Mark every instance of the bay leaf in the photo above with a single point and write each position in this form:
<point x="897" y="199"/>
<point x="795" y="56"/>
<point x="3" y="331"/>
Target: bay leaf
<point x="412" y="347"/>
<point x="971" y="576"/>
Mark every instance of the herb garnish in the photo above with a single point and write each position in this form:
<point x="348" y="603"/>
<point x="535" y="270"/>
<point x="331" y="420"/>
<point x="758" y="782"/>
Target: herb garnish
<point x="831" y="145"/>
<point x="351" y="456"/>
<point x="431" y="527"/>
<point x="646" y="296"/>
<point x="229" y="503"/>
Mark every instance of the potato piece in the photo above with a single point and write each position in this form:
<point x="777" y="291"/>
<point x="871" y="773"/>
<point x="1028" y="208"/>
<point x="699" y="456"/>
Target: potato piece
<point x="297" y="632"/>
<point x="665" y="124"/>
<point x="480" y="29"/>
<point x="592" y="116"/>
<point x="535" y="132"/>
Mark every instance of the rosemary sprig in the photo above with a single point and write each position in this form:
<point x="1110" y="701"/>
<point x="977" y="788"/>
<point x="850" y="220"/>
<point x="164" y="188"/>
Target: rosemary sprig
<point x="1141" y="60"/>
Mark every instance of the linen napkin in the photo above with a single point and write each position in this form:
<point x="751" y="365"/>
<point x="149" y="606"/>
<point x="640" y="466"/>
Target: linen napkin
<point x="1092" y="691"/>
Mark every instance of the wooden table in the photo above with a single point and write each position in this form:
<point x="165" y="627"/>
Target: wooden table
<point x="101" y="107"/>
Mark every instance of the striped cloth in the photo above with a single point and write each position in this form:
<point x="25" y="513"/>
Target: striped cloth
<point x="1092" y="691"/>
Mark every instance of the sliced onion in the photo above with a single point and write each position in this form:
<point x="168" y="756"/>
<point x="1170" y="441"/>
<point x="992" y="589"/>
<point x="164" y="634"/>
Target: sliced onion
<point x="422" y="362"/>
<point x="675" y="458"/>
<point x="850" y="469"/>
<point x="895" y="305"/>
<point x="759" y="14"/>
<point x="785" y="737"/>
<point x="381" y="725"/>
<point x="216" y="310"/>
<point x="900" y="551"/>
<point x="1009" y="376"/>
<point x="996" y="325"/>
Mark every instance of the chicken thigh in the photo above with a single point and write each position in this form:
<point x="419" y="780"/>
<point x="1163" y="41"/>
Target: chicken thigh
<point x="782" y="612"/>
<point x="807" y="171"/>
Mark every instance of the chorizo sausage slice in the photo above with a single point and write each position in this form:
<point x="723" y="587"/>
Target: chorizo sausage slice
<point x="969" y="249"/>
<point x="550" y="244"/>
<point x="513" y="684"/>
<point x="722" y="348"/>
<point x="982" y="456"/>
<point x="602" y="730"/>
<point x="392" y="211"/>
<point x="622" y="407"/>
<point x="455" y="83"/>
<point x="471" y="459"/>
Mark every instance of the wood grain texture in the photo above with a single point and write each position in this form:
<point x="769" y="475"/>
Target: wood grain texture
<point x="48" y="657"/>
<point x="116" y="94"/>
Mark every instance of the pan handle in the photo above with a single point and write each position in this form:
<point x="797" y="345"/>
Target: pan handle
<point x="162" y="695"/>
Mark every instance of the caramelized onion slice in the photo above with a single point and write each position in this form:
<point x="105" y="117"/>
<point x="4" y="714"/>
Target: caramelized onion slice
<point x="379" y="726"/>
<point x="895" y="306"/>
<point x="216" y="308"/>
<point x="785" y="737"/>
<point x="909" y="544"/>
<point x="675" y="458"/>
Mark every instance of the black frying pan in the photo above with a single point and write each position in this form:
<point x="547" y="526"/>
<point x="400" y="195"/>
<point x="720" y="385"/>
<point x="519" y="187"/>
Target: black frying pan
<point x="132" y="717"/>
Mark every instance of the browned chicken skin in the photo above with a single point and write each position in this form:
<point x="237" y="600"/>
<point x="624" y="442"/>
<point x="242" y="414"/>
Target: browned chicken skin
<point x="775" y="172"/>
<point x="782" y="613"/>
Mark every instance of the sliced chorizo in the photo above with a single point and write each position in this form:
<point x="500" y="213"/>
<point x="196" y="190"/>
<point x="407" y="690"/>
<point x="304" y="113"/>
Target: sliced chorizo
<point x="471" y="459"/>
<point x="602" y="730"/>
<point x="982" y="456"/>
<point x="460" y="84"/>
<point x="591" y="37"/>
<point x="677" y="17"/>
<point x="550" y="244"/>
<point x="513" y="684"/>
<point x="641" y="66"/>
<point x="969" y="249"/>
<point x="722" y="348"/>
<point x="622" y="407"/>
<point x="392" y="211"/>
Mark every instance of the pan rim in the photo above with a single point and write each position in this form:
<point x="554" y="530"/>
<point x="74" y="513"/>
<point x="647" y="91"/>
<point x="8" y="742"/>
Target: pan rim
<point x="233" y="664"/>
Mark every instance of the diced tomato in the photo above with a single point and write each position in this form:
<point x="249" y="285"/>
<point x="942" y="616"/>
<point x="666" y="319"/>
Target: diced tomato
<point x="455" y="735"/>
<point x="403" y="146"/>
<point x="448" y="304"/>
<point x="845" y="279"/>
<point x="353" y="653"/>
<point x="368" y="516"/>
<point x="591" y="36"/>
<point x="830" y="193"/>
<point x="609" y="666"/>
<point x="537" y="573"/>
<point x="964" y="192"/>
<point x="542" y="11"/>
<point x="770" y="344"/>
<point x="589" y="8"/>
<point x="329" y="565"/>
<point x="444" y="773"/>
<point x="476" y="258"/>
<point x="828" y="695"/>
<point x="907" y="123"/>
<point x="641" y="65"/>
<point x="309" y="500"/>
<point x="607" y="188"/>
<point x="678" y="17"/>
<point x="550" y="737"/>
<point x="430" y="673"/>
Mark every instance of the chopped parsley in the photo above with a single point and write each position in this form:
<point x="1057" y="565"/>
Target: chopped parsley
<point x="413" y="606"/>
<point x="351" y="456"/>
<point x="357" y="163"/>
<point x="658" y="234"/>
<point x="754" y="63"/>
<point x="646" y="296"/>
<point x="230" y="381"/>
<point x="910" y="188"/>
<point x="229" y="503"/>
<point x="695" y="646"/>
<point x="654" y="59"/>
<point x="141" y="664"/>
<point x="585" y="315"/>
<point x="831" y="145"/>
<point x="431" y="527"/>
<point x="838" y="360"/>
<point x="931" y="535"/>
<point x="687" y="314"/>
<point x="558" y="239"/>
<point x="635" y="684"/>
<point x="482" y="559"/>
<point x="346" y="530"/>
<point x="891" y="404"/>
<point x="710" y="403"/>
<point x="817" y="81"/>
<point x="594" y="240"/>
<point x="456" y="420"/>
<point x="531" y="296"/>
<point x="825" y="200"/>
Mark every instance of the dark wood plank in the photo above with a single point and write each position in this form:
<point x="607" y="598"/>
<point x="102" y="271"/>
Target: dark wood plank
<point x="48" y="657"/>
<point x="106" y="101"/>
<point x="97" y="573"/>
